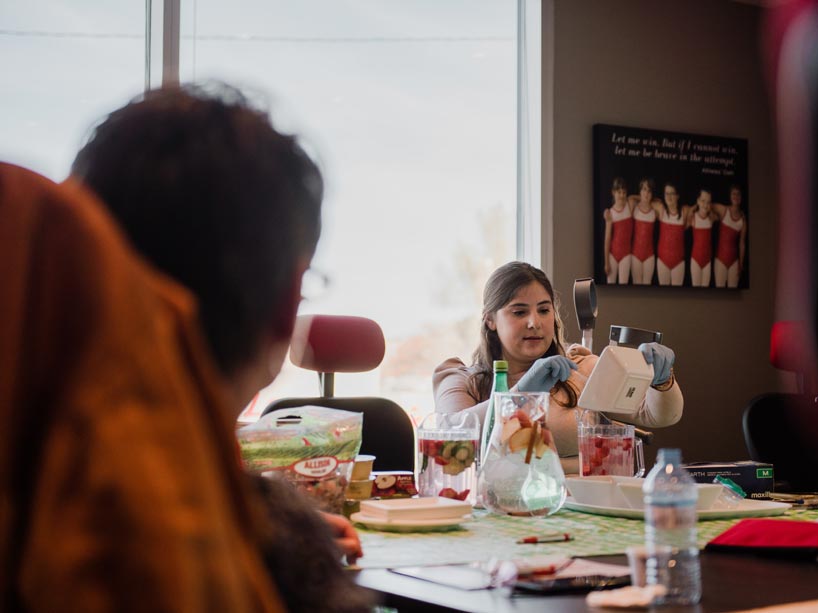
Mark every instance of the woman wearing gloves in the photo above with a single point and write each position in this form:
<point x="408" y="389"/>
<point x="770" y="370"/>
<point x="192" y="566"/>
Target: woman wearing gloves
<point x="521" y="325"/>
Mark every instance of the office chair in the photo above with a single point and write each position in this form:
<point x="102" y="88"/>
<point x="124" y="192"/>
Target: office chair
<point x="782" y="428"/>
<point x="329" y="344"/>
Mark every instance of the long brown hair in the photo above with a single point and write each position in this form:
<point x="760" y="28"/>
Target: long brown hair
<point x="502" y="286"/>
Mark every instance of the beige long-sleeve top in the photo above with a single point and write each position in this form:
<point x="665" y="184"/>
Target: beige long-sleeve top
<point x="455" y="390"/>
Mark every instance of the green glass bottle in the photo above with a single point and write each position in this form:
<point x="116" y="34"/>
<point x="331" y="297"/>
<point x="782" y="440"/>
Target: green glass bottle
<point x="500" y="384"/>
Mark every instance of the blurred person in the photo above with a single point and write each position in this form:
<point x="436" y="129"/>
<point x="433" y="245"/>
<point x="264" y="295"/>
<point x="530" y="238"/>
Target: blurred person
<point x="215" y="197"/>
<point x="643" y="259"/>
<point x="521" y="324"/>
<point x="732" y="241"/>
<point x="123" y="490"/>
<point x="120" y="486"/>
<point x="618" y="234"/>
<point x="701" y="256"/>
<point x="790" y="46"/>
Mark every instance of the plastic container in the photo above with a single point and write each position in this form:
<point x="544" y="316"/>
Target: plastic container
<point x="730" y="495"/>
<point x="670" y="496"/>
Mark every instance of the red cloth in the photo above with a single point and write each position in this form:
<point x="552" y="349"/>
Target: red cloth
<point x="769" y="536"/>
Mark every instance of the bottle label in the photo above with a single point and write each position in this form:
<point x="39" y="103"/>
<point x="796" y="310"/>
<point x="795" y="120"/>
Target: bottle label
<point x="670" y="517"/>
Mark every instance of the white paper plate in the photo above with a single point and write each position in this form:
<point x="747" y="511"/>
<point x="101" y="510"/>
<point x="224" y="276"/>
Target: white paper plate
<point x="746" y="508"/>
<point x="408" y="525"/>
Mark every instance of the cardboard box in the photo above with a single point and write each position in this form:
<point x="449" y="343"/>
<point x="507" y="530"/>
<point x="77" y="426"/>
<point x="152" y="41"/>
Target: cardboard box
<point x="755" y="478"/>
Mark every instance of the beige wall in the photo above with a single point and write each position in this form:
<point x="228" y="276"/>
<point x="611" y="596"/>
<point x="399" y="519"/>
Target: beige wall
<point x="688" y="66"/>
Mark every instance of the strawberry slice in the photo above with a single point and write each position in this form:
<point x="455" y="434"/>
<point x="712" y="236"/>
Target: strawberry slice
<point x="463" y="495"/>
<point x="448" y="492"/>
<point x="523" y="418"/>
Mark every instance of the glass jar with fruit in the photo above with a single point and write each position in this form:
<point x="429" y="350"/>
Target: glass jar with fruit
<point x="448" y="444"/>
<point x="522" y="474"/>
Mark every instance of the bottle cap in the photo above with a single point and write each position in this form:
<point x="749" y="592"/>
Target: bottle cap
<point x="669" y="454"/>
<point x="500" y="365"/>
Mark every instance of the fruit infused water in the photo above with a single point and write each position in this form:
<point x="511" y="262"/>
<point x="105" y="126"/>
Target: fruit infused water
<point x="448" y="445"/>
<point x="521" y="474"/>
<point x="609" y="449"/>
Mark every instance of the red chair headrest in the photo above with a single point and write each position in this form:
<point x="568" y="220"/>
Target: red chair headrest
<point x="788" y="349"/>
<point x="336" y="343"/>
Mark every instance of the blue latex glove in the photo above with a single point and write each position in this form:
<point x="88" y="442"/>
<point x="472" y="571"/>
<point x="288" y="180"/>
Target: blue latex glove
<point x="545" y="372"/>
<point x="662" y="359"/>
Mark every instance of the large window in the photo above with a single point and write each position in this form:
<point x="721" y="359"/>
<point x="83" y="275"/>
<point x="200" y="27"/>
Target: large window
<point x="421" y="112"/>
<point x="65" y="64"/>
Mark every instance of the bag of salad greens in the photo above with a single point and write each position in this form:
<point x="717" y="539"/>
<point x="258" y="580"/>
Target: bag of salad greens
<point x="313" y="447"/>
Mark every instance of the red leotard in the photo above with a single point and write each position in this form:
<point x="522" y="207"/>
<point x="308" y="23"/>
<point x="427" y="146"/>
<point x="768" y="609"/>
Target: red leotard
<point x="702" y="251"/>
<point x="671" y="240"/>
<point x="621" y="232"/>
<point x="643" y="234"/>
<point x="729" y="229"/>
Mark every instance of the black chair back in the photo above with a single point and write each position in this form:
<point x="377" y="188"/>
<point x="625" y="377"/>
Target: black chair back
<point x="782" y="429"/>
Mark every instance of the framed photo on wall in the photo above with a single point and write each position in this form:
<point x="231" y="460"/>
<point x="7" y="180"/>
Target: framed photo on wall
<point x="670" y="209"/>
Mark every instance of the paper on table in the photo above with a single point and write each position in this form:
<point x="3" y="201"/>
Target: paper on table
<point x="581" y="568"/>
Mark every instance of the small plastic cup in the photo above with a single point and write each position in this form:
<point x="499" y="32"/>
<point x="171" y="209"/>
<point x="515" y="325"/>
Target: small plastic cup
<point x="362" y="467"/>
<point x="360" y="489"/>
<point x="638" y="556"/>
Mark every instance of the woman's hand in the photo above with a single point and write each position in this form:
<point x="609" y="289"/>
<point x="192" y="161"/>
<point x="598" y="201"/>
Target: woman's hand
<point x="545" y="372"/>
<point x="662" y="359"/>
<point x="346" y="538"/>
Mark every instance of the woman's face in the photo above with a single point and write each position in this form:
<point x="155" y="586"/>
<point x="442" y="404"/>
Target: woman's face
<point x="525" y="325"/>
<point x="704" y="201"/>
<point x="645" y="192"/>
<point x="671" y="196"/>
<point x="735" y="197"/>
<point x="620" y="195"/>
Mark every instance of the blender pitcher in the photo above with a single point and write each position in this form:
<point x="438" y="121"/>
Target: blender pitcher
<point x="521" y="473"/>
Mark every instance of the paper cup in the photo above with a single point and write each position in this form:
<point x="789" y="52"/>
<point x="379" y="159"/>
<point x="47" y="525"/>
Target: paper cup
<point x="362" y="467"/>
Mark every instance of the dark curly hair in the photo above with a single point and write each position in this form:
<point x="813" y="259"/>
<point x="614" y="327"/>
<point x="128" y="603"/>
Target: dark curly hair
<point x="213" y="195"/>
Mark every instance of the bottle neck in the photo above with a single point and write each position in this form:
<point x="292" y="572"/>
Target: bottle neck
<point x="669" y="456"/>
<point x="500" y="381"/>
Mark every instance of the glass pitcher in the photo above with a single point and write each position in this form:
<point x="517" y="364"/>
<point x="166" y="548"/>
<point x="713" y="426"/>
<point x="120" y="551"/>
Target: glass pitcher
<point x="521" y="473"/>
<point x="609" y="449"/>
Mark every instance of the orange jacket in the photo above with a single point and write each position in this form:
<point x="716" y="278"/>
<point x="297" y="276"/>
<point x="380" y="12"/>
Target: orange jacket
<point x="119" y="485"/>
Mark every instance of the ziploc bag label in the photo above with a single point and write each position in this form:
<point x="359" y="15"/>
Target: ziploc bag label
<point x="316" y="467"/>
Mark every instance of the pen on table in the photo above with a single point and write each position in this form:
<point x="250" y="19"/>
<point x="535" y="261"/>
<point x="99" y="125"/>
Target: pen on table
<point x="554" y="537"/>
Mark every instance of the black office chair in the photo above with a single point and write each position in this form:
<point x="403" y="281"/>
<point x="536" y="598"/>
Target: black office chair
<point x="329" y="344"/>
<point x="782" y="428"/>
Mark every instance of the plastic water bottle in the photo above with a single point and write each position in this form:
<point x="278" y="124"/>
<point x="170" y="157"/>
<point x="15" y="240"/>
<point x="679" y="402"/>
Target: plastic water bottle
<point x="670" y="530"/>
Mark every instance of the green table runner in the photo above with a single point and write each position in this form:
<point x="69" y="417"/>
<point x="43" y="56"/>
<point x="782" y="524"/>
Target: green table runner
<point x="494" y="536"/>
